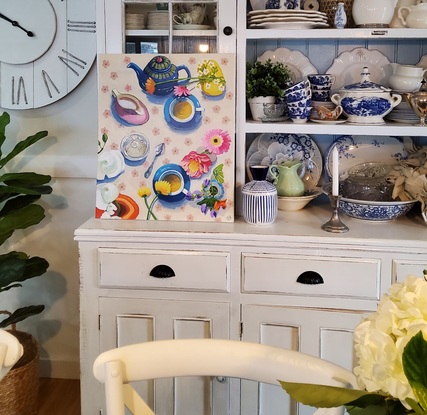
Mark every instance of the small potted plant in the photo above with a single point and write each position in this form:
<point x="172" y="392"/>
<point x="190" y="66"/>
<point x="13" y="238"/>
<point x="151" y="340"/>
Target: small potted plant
<point x="19" y="194"/>
<point x="265" y="82"/>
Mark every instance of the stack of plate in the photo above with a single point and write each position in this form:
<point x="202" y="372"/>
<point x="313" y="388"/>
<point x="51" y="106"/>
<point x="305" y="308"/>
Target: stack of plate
<point x="158" y="19"/>
<point x="135" y="21"/>
<point x="403" y="113"/>
<point x="286" y="19"/>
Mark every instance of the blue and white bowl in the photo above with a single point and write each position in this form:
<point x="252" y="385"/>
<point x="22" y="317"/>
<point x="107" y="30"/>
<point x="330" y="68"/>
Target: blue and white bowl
<point x="300" y="94"/>
<point x="366" y="102"/>
<point x="297" y="86"/>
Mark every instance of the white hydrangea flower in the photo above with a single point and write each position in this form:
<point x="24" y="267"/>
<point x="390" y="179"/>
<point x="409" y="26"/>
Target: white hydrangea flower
<point x="381" y="338"/>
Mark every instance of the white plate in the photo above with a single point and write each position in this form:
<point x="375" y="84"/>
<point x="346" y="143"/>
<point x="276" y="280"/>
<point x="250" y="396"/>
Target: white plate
<point x="364" y="149"/>
<point x="348" y="66"/>
<point x="285" y="12"/>
<point x="268" y="149"/>
<point x="296" y="62"/>
<point x="286" y="19"/>
<point x="289" y="25"/>
<point x="192" y="27"/>
<point x="327" y="121"/>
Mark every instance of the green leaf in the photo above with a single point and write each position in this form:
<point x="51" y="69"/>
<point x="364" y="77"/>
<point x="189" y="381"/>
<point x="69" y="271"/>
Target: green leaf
<point x="415" y="406"/>
<point x="20" y="219"/>
<point x="322" y="396"/>
<point x="414" y="358"/>
<point x="21" y="314"/>
<point x="420" y="392"/>
<point x="22" y="145"/>
<point x="218" y="174"/>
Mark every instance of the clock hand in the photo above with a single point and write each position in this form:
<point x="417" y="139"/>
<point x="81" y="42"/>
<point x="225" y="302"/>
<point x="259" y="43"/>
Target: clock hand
<point x="16" y="24"/>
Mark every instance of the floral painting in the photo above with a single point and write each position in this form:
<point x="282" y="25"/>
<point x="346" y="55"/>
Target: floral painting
<point x="166" y="137"/>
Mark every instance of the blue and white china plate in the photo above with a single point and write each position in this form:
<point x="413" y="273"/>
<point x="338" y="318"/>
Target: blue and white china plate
<point x="297" y="62"/>
<point x="354" y="150"/>
<point x="269" y="149"/>
<point x="348" y="66"/>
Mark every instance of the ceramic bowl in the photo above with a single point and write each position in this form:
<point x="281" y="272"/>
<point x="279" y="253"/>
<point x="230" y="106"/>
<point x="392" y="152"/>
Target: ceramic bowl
<point x="274" y="110"/>
<point x="292" y="204"/>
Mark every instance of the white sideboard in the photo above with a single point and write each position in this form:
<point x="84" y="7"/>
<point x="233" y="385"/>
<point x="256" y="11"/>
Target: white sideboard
<point x="143" y="281"/>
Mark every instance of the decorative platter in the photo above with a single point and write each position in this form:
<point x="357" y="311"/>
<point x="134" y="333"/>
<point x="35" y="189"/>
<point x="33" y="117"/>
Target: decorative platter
<point x="364" y="149"/>
<point x="319" y="121"/>
<point x="288" y="25"/>
<point x="296" y="61"/>
<point x="286" y="19"/>
<point x="270" y="149"/>
<point x="192" y="27"/>
<point x="348" y="66"/>
<point x="286" y="12"/>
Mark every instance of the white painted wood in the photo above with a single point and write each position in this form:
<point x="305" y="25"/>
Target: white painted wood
<point x="136" y="269"/>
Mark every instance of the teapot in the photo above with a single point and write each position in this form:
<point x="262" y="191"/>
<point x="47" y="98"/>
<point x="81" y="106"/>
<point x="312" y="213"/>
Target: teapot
<point x="286" y="179"/>
<point x="418" y="102"/>
<point x="159" y="76"/>
<point x="413" y="16"/>
<point x="406" y="78"/>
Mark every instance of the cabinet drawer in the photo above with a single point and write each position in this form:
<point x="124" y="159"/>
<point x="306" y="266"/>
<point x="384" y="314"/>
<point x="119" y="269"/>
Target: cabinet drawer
<point x="404" y="267"/>
<point x="346" y="277"/>
<point x="190" y="270"/>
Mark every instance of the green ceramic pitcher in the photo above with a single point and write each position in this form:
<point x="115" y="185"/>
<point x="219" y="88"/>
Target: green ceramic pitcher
<point x="286" y="179"/>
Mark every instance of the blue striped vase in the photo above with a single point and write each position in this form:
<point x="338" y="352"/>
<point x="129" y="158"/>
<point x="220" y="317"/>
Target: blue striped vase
<point x="259" y="198"/>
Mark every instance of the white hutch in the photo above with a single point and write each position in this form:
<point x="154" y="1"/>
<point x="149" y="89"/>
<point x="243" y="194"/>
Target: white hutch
<point x="146" y="280"/>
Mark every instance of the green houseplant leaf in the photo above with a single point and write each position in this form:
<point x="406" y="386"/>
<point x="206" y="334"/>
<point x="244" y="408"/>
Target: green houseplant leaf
<point x="19" y="194"/>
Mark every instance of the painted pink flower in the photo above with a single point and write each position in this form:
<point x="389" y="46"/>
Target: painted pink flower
<point x="128" y="88"/>
<point x="196" y="164"/>
<point x="104" y="130"/>
<point x="113" y="75"/>
<point x="105" y="88"/>
<point x="167" y="140"/>
<point x="156" y="131"/>
<point x="135" y="173"/>
<point x="181" y="91"/>
<point x="226" y="120"/>
<point x="105" y="63"/>
<point x="126" y="60"/>
<point x="229" y="95"/>
<point x="188" y="141"/>
<point x="228" y="162"/>
<point x="155" y="110"/>
<point x="122" y="186"/>
<point x="216" y="109"/>
<point x="190" y="217"/>
<point x="175" y="151"/>
<point x="217" y="141"/>
<point x="192" y="61"/>
<point x="224" y="61"/>
<point x="106" y="113"/>
<point x="206" y="120"/>
<point x="114" y="146"/>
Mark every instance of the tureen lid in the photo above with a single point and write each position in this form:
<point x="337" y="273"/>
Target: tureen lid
<point x="365" y="84"/>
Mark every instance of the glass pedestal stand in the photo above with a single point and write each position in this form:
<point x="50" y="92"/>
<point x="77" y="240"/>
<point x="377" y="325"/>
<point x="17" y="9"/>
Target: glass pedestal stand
<point x="334" y="224"/>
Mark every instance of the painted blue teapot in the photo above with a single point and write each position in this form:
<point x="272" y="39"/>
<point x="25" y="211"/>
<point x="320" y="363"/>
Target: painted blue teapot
<point x="159" y="76"/>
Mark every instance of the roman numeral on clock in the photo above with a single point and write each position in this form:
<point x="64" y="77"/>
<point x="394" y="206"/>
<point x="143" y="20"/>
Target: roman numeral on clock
<point x="72" y="62"/>
<point x="81" y="26"/>
<point x="18" y="91"/>
<point x="47" y="80"/>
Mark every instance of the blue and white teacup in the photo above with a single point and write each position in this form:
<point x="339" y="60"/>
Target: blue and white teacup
<point x="297" y="86"/>
<point x="323" y="79"/>
<point x="300" y="104"/>
<point x="299" y="111"/>
<point x="300" y="94"/>
<point x="301" y="116"/>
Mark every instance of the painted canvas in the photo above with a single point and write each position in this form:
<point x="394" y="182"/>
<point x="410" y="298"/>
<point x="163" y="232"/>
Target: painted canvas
<point x="166" y="138"/>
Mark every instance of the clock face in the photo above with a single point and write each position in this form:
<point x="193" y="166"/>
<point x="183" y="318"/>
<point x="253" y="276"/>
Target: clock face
<point x="46" y="49"/>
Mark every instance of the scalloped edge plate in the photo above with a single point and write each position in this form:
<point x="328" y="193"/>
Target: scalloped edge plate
<point x="295" y="60"/>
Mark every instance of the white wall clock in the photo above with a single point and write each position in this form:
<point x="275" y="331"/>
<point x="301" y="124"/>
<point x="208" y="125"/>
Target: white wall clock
<point x="46" y="49"/>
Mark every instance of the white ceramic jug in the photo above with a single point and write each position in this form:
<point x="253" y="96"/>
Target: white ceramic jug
<point x="370" y="13"/>
<point x="406" y="78"/>
<point x="413" y="16"/>
<point x="395" y="21"/>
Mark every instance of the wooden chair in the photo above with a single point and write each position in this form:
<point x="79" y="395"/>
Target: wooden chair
<point x="207" y="357"/>
<point x="10" y="352"/>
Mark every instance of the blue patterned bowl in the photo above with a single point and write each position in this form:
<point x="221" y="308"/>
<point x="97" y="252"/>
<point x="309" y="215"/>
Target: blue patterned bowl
<point x="373" y="210"/>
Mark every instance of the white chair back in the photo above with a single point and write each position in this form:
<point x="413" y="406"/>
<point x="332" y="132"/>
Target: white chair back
<point x="207" y="357"/>
<point x="10" y="352"/>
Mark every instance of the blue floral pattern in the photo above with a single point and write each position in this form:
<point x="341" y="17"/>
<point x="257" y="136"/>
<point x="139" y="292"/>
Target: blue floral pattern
<point x="366" y="106"/>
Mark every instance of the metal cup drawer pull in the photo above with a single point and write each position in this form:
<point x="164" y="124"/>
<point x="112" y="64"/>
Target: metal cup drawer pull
<point x="310" y="278"/>
<point x="162" y="271"/>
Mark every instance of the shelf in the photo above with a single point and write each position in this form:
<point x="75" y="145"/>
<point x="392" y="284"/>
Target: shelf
<point x="165" y="32"/>
<point x="386" y="33"/>
<point x="388" y="129"/>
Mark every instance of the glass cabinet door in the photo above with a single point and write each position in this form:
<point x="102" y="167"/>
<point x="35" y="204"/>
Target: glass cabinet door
<point x="135" y="26"/>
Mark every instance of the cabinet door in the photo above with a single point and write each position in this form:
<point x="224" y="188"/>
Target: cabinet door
<point x="125" y="321"/>
<point x="327" y="334"/>
<point x="144" y="26"/>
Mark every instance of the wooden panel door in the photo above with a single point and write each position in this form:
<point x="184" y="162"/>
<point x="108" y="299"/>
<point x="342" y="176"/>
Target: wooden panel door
<point x="323" y="333"/>
<point x="127" y="321"/>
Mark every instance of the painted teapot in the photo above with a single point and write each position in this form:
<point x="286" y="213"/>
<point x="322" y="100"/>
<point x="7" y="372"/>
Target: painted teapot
<point x="159" y="76"/>
<point x="413" y="16"/>
<point x="406" y="78"/>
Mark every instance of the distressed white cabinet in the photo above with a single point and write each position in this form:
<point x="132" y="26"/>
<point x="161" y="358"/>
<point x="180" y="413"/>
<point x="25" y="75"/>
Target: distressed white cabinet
<point x="235" y="281"/>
